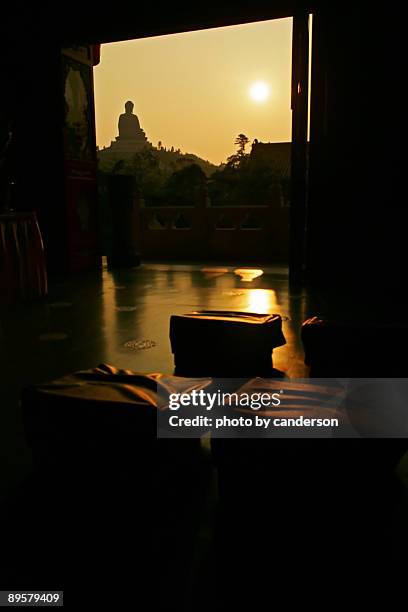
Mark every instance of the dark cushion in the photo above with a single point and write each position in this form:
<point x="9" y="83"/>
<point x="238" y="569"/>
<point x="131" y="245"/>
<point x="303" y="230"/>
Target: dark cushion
<point x="224" y="344"/>
<point x="335" y="348"/>
<point x="106" y="492"/>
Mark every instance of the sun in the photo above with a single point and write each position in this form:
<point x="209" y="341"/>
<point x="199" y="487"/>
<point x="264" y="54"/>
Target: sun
<point x="259" y="91"/>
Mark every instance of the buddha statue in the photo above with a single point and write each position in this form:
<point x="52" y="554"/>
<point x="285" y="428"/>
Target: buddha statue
<point x="132" y="138"/>
<point x="129" y="126"/>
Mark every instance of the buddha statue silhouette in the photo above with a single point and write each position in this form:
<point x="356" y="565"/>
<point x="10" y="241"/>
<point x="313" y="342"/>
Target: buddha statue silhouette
<point x="129" y="126"/>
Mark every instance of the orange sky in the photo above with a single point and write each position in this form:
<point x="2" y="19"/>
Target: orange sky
<point x="191" y="90"/>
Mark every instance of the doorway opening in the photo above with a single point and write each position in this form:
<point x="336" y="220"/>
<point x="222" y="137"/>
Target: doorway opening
<point x="202" y="123"/>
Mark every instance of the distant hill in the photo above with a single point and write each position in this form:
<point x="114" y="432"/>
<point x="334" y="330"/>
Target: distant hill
<point x="170" y="160"/>
<point x="178" y="160"/>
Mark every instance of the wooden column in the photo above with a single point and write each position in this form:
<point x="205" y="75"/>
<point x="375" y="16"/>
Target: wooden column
<point x="300" y="66"/>
<point x="80" y="163"/>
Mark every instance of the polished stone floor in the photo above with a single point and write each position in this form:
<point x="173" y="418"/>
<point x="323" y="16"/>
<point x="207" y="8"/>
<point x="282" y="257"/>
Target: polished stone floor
<point x="122" y="318"/>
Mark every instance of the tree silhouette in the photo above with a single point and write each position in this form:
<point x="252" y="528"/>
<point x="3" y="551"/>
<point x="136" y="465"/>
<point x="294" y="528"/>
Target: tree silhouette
<point x="185" y="186"/>
<point x="235" y="160"/>
<point x="241" y="142"/>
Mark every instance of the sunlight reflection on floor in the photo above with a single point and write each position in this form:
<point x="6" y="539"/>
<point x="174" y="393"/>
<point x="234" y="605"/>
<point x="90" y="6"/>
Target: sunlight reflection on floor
<point x="261" y="301"/>
<point x="248" y="274"/>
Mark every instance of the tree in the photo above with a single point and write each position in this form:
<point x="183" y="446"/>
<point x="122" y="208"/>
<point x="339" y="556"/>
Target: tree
<point x="241" y="142"/>
<point x="236" y="159"/>
<point x="186" y="186"/>
<point x="150" y="178"/>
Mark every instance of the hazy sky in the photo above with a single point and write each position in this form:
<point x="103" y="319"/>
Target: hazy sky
<point x="192" y="90"/>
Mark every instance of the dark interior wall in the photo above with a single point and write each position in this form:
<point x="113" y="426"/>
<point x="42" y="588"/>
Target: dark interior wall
<point x="357" y="212"/>
<point x="336" y="149"/>
<point x="385" y="119"/>
<point x="31" y="100"/>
